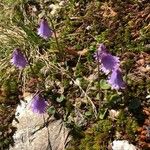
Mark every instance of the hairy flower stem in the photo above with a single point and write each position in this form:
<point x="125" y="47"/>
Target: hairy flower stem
<point x="126" y="95"/>
<point x="56" y="38"/>
<point x="54" y="30"/>
<point x="99" y="88"/>
<point x="61" y="54"/>
<point x="32" y="70"/>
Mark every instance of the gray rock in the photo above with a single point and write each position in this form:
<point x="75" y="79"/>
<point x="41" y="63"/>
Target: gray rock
<point x="38" y="132"/>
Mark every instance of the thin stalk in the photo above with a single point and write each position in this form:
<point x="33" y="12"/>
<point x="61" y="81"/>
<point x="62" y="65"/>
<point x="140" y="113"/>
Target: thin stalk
<point x="30" y="66"/>
<point x="55" y="35"/>
<point x="99" y="88"/>
<point x="61" y="54"/>
<point x="54" y="30"/>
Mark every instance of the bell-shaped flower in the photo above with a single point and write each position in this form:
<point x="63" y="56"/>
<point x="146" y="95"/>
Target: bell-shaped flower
<point x="38" y="104"/>
<point x="116" y="80"/>
<point x="108" y="61"/>
<point x="18" y="59"/>
<point x="44" y="30"/>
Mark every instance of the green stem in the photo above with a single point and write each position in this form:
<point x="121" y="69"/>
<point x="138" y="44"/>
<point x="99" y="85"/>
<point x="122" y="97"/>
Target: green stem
<point x="99" y="89"/>
<point x="55" y="35"/>
<point x="30" y="66"/>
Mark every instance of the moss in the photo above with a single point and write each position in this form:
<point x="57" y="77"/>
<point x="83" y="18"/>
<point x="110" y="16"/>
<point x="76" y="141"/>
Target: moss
<point x="131" y="128"/>
<point x="127" y="125"/>
<point x="127" y="35"/>
<point x="96" y="137"/>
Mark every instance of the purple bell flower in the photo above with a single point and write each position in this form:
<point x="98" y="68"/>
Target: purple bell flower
<point x="38" y="104"/>
<point x="18" y="59"/>
<point x="44" y="30"/>
<point x="108" y="61"/>
<point x="116" y="80"/>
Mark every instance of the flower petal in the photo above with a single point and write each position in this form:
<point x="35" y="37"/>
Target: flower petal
<point x="116" y="80"/>
<point x="44" y="30"/>
<point x="38" y="104"/>
<point x="18" y="59"/>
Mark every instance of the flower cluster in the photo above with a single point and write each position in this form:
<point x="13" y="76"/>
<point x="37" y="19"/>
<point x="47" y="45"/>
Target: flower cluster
<point x="18" y="58"/>
<point x="110" y="64"/>
<point x="38" y="103"/>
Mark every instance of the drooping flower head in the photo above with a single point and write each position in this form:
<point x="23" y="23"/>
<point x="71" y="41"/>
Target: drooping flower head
<point x="18" y="59"/>
<point x="38" y="104"/>
<point x="44" y="30"/>
<point x="108" y="61"/>
<point x="101" y="49"/>
<point x="116" y="80"/>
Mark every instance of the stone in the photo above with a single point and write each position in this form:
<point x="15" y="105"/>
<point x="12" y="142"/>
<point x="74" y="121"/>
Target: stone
<point x="38" y="132"/>
<point x="113" y="114"/>
<point x="122" y="145"/>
